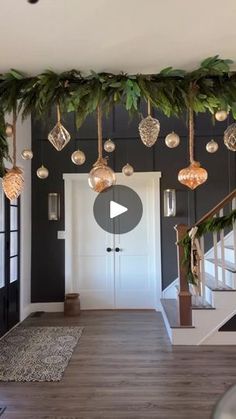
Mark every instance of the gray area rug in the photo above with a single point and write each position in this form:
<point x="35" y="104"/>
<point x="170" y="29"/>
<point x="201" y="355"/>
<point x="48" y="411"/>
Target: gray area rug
<point x="37" y="353"/>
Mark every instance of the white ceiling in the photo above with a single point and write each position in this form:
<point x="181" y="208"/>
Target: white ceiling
<point x="113" y="35"/>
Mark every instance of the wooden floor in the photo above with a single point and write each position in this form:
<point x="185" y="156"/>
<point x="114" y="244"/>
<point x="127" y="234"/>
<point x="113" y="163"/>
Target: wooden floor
<point x="124" y="367"/>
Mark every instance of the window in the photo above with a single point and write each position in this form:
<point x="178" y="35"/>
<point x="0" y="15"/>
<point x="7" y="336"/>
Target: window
<point x="14" y="241"/>
<point x="2" y="238"/>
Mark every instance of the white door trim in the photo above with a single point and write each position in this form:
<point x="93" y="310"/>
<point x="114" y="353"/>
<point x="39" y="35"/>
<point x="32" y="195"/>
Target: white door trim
<point x="155" y="178"/>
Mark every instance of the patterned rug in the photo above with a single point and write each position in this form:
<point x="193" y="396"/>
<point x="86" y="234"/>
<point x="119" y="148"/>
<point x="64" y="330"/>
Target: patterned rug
<point x="37" y="353"/>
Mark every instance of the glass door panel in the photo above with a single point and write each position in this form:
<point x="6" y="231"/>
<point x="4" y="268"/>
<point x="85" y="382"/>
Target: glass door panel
<point x="2" y="260"/>
<point x="9" y="263"/>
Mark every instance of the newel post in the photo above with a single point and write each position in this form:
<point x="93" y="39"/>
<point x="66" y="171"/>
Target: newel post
<point x="185" y="304"/>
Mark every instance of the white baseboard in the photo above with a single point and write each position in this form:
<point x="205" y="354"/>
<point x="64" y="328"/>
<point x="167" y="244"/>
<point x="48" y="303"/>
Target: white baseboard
<point x="25" y="312"/>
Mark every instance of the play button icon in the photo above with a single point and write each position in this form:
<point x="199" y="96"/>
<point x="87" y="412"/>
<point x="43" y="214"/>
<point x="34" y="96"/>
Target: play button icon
<point x="118" y="209"/>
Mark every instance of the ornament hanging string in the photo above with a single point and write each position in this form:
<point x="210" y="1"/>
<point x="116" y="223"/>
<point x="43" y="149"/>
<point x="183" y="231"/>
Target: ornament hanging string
<point x="58" y="114"/>
<point x="149" y="107"/>
<point x="99" y="120"/>
<point x="13" y="181"/>
<point x="191" y="135"/>
<point x="191" y="121"/>
<point x="14" y="137"/>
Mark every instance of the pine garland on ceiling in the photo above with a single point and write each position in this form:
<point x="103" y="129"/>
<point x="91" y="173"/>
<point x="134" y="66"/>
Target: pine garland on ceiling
<point x="214" y="87"/>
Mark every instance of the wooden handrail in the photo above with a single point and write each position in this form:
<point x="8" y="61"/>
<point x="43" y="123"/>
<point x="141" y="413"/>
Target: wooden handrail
<point x="218" y="207"/>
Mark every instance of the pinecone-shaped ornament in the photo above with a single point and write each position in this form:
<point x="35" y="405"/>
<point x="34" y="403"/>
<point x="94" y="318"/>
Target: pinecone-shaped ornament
<point x="13" y="183"/>
<point x="149" y="129"/>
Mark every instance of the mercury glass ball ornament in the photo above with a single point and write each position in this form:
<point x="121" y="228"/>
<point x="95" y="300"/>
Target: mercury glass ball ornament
<point x="9" y="130"/>
<point x="42" y="172"/>
<point x="149" y="129"/>
<point x="212" y="146"/>
<point x="78" y="157"/>
<point x="101" y="177"/>
<point x="109" y="146"/>
<point x="221" y="115"/>
<point x="230" y="137"/>
<point x="172" y="140"/>
<point x="128" y="170"/>
<point x="27" y="154"/>
<point x="193" y="176"/>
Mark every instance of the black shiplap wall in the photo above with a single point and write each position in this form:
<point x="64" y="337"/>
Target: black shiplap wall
<point x="48" y="252"/>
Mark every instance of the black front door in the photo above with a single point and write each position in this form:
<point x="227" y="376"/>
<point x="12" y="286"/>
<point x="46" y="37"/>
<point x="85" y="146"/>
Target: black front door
<point x="9" y="263"/>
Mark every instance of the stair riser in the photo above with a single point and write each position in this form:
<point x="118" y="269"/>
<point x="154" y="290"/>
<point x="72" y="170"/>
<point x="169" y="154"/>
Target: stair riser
<point x="209" y="296"/>
<point x="230" y="277"/>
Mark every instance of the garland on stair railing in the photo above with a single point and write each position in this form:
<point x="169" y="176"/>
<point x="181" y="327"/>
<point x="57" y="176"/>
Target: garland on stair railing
<point x="212" y="225"/>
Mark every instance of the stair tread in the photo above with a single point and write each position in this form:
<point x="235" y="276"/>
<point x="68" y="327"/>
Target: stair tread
<point x="229" y="266"/>
<point x="203" y="305"/>
<point x="229" y="246"/>
<point x="211" y="284"/>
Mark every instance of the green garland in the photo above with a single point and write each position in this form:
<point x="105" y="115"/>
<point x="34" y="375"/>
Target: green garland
<point x="213" y="84"/>
<point x="209" y="226"/>
<point x="3" y="145"/>
<point x="213" y="87"/>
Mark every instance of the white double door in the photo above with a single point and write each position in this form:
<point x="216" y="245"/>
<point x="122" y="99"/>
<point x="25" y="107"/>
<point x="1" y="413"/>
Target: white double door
<point x="113" y="271"/>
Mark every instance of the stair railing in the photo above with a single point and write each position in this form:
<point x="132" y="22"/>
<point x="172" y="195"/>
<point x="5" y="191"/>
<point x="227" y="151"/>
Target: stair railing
<point x="185" y="296"/>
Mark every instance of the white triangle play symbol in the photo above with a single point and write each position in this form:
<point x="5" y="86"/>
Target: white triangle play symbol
<point x="116" y="209"/>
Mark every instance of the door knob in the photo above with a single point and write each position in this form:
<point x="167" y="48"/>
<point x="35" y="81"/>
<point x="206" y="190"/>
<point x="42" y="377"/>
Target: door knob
<point x="117" y="249"/>
<point x="109" y="249"/>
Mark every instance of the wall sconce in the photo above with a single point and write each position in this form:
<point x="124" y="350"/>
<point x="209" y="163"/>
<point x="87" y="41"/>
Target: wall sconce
<point x="53" y="206"/>
<point x="169" y="203"/>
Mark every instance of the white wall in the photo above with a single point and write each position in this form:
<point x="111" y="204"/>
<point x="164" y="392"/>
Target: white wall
<point x="23" y="138"/>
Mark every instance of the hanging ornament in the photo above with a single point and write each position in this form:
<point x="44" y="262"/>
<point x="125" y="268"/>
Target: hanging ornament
<point x="59" y="136"/>
<point x="194" y="175"/>
<point x="42" y="172"/>
<point x="212" y="146"/>
<point x="128" y="170"/>
<point x="78" y="157"/>
<point x="230" y="137"/>
<point x="27" y="154"/>
<point x="172" y="140"/>
<point x="9" y="130"/>
<point x="221" y="115"/>
<point x="13" y="181"/>
<point x="109" y="146"/>
<point x="101" y="176"/>
<point x="149" y="129"/>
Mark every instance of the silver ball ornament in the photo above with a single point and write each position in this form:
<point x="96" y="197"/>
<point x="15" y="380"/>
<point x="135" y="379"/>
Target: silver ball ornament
<point x="128" y="170"/>
<point x="109" y="146"/>
<point x="172" y="140"/>
<point x="212" y="146"/>
<point x="78" y="157"/>
<point x="221" y="115"/>
<point x="27" y="154"/>
<point x="42" y="172"/>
